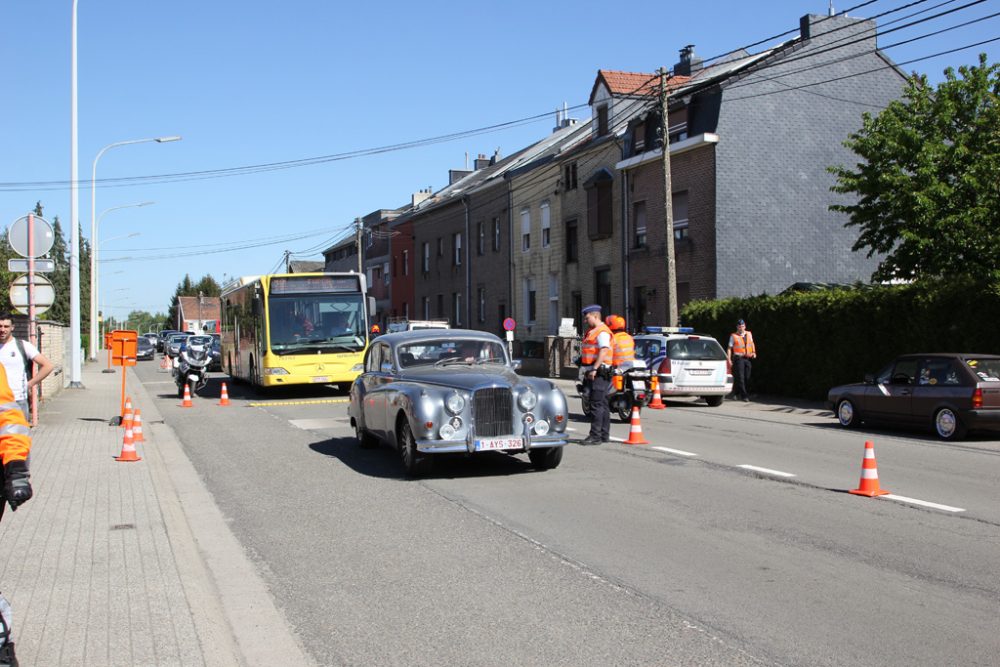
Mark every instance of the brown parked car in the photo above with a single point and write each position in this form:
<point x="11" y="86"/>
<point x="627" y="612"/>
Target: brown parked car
<point x="953" y="393"/>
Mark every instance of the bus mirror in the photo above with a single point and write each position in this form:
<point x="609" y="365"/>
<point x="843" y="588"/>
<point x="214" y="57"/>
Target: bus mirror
<point x="371" y="307"/>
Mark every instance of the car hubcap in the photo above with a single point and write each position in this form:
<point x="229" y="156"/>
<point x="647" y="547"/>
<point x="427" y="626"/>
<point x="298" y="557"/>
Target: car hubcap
<point x="846" y="413"/>
<point x="946" y="423"/>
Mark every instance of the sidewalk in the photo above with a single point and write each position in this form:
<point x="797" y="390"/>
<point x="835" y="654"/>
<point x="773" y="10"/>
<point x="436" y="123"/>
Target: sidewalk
<point x="128" y="563"/>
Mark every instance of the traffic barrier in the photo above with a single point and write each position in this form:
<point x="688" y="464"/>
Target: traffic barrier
<point x="635" y="429"/>
<point x="137" y="427"/>
<point x="187" y="397"/>
<point x="128" y="453"/>
<point x="224" y="397"/>
<point x="657" y="402"/>
<point x="869" y="475"/>
<point x="129" y="416"/>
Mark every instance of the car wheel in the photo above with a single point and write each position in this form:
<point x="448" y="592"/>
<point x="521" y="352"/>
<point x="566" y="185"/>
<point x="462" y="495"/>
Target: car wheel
<point x="546" y="458"/>
<point x="414" y="463"/>
<point x="365" y="439"/>
<point x="847" y="414"/>
<point x="713" y="401"/>
<point x="947" y="425"/>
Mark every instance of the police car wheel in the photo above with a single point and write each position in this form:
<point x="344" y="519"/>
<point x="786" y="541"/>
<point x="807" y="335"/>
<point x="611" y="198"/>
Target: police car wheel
<point x="847" y="415"/>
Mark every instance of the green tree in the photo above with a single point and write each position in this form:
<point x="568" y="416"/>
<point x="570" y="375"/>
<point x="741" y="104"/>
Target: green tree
<point x="928" y="179"/>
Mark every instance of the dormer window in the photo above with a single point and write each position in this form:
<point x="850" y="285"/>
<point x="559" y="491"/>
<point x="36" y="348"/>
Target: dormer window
<point x="639" y="138"/>
<point x="602" y="120"/>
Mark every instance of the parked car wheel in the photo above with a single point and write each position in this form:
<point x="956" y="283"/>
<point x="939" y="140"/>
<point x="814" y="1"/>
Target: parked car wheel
<point x="365" y="439"/>
<point x="547" y="458"/>
<point x="947" y="425"/>
<point x="847" y="414"/>
<point x="713" y="401"/>
<point x="414" y="463"/>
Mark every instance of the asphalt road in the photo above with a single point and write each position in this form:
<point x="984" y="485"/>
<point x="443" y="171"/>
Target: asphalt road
<point x="623" y="555"/>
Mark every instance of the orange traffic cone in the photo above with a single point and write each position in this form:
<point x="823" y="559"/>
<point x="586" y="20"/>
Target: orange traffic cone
<point x="224" y="398"/>
<point x="137" y="427"/>
<point x="164" y="363"/>
<point x="869" y="474"/>
<point x="635" y="430"/>
<point x="657" y="402"/>
<point x="187" y="397"/>
<point x="128" y="447"/>
<point x="129" y="415"/>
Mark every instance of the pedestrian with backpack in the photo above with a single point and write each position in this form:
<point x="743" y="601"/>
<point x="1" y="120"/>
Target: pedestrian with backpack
<point x="17" y="357"/>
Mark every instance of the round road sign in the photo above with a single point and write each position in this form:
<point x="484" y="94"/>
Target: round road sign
<point x="509" y="324"/>
<point x="45" y="294"/>
<point x="41" y="231"/>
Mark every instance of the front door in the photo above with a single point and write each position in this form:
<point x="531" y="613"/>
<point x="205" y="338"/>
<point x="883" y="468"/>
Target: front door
<point x="891" y="397"/>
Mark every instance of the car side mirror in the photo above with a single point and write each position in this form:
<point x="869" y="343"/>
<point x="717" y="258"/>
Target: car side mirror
<point x="869" y="378"/>
<point x="516" y="364"/>
<point x="387" y="367"/>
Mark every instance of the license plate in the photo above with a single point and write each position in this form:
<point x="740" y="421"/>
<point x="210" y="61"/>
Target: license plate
<point x="323" y="379"/>
<point x="638" y="384"/>
<point x="699" y="371"/>
<point x="499" y="443"/>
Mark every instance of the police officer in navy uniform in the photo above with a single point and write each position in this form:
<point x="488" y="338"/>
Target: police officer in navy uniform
<point x="595" y="356"/>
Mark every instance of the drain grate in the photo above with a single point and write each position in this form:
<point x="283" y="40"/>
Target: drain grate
<point x="123" y="526"/>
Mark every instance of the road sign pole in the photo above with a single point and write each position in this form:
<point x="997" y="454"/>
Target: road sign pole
<point x="31" y="311"/>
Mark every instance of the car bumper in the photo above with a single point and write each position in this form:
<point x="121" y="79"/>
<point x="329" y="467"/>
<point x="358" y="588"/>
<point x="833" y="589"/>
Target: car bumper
<point x="986" y="419"/>
<point x="468" y="445"/>
<point x="669" y="388"/>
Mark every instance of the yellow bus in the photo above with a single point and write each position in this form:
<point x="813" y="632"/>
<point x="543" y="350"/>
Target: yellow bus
<point x="295" y="328"/>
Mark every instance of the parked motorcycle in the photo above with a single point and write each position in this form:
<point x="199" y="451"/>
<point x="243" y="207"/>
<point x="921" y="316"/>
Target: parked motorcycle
<point x="629" y="387"/>
<point x="191" y="366"/>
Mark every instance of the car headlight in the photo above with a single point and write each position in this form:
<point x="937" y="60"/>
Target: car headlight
<point x="541" y="427"/>
<point x="275" y="371"/>
<point x="455" y="403"/>
<point x="527" y="400"/>
<point x="447" y="432"/>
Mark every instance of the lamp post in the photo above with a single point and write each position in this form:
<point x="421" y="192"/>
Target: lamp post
<point x="93" y="269"/>
<point x="94" y="221"/>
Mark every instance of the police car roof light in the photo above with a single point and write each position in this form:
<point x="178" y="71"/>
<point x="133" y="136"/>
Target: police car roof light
<point x="668" y="330"/>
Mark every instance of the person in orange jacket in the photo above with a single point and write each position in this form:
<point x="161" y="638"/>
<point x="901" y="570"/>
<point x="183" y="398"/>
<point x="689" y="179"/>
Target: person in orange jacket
<point x="15" y="443"/>
<point x="740" y="351"/>
<point x="622" y="343"/>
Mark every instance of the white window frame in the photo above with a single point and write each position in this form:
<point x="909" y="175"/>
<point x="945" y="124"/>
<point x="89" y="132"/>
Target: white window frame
<point x="546" y="225"/>
<point x="525" y="229"/>
<point x="427" y="256"/>
<point x="457" y="242"/>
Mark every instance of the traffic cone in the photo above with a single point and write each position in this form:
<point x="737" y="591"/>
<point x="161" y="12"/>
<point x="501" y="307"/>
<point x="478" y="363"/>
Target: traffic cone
<point x="129" y="415"/>
<point x="137" y="427"/>
<point x="224" y="398"/>
<point x="187" y="397"/>
<point x="869" y="474"/>
<point x="635" y="430"/>
<point x="128" y="447"/>
<point x="164" y="363"/>
<point x="657" y="402"/>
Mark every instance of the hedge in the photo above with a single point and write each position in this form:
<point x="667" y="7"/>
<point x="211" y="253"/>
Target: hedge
<point x="809" y="342"/>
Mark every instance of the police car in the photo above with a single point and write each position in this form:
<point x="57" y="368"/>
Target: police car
<point x="687" y="363"/>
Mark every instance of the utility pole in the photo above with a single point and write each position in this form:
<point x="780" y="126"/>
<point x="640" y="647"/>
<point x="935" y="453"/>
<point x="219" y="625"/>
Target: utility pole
<point x="357" y="234"/>
<point x="668" y="204"/>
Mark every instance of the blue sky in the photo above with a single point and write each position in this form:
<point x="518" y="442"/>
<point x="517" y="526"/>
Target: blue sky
<point x="254" y="83"/>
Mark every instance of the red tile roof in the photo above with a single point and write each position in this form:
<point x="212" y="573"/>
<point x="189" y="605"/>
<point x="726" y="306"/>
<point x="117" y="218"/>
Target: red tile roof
<point x="634" y="83"/>
<point x="211" y="307"/>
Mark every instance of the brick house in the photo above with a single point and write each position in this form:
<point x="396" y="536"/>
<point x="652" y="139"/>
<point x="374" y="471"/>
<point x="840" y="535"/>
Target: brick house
<point x="751" y="138"/>
<point x="200" y="314"/>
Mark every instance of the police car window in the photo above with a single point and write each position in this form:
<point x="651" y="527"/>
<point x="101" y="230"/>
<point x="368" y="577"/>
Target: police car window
<point x="697" y="349"/>
<point x="645" y="348"/>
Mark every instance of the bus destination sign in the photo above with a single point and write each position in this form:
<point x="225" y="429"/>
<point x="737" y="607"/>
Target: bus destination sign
<point x="312" y="284"/>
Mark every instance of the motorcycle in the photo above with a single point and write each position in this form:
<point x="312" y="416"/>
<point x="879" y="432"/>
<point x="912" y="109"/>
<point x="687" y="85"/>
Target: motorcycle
<point x="191" y="365"/>
<point x="630" y="386"/>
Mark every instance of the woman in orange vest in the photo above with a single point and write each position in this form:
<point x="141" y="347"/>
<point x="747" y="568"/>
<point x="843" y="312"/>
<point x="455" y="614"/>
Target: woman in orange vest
<point x="595" y="358"/>
<point x="741" y="350"/>
<point x="15" y="443"/>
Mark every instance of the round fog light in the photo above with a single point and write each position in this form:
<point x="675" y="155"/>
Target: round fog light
<point x="447" y="432"/>
<point x="541" y="427"/>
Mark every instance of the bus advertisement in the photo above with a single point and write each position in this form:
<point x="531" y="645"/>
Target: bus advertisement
<point x="296" y="328"/>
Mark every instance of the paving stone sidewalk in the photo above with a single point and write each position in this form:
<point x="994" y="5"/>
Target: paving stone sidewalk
<point x="118" y="563"/>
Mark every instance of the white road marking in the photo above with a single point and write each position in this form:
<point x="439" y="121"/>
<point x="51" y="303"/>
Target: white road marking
<point x="924" y="503"/>
<point x="766" y="471"/>
<point x="679" y="452"/>
<point x="316" y="424"/>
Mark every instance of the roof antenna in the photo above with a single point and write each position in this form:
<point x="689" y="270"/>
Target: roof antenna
<point x="831" y="12"/>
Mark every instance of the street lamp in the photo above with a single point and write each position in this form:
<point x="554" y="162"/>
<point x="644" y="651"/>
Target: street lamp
<point x="94" y="221"/>
<point x="93" y="270"/>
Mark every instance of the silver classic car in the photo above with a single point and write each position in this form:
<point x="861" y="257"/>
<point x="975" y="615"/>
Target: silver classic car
<point x="454" y="391"/>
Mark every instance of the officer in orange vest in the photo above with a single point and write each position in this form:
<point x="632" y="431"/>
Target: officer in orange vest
<point x="741" y="350"/>
<point x="15" y="443"/>
<point x="622" y="344"/>
<point x="595" y="357"/>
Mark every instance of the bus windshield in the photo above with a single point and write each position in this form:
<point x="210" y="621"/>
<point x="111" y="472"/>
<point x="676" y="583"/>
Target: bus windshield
<point x="316" y="322"/>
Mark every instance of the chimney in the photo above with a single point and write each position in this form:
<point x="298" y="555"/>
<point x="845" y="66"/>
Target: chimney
<point x="496" y="156"/>
<point x="420" y="196"/>
<point x="481" y="162"/>
<point x="689" y="62"/>
<point x="455" y="175"/>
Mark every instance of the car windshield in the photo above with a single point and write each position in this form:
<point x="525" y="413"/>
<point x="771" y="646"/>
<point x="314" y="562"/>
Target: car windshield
<point x="987" y="370"/>
<point x="695" y="349"/>
<point x="311" y="322"/>
<point x="451" y="351"/>
<point x="200" y="340"/>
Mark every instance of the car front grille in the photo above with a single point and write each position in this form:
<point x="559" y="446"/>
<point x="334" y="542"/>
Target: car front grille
<point x="494" y="412"/>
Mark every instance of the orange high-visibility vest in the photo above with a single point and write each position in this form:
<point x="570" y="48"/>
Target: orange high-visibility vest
<point x="589" y="349"/>
<point x="15" y="441"/>
<point x="623" y="348"/>
<point x="743" y="345"/>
